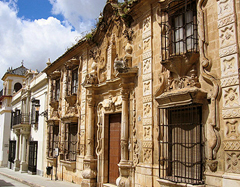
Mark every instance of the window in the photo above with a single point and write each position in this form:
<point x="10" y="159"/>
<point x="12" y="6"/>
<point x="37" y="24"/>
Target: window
<point x="12" y="149"/>
<point x="17" y="87"/>
<point x="57" y="90"/>
<point x="53" y="139"/>
<point x="16" y="118"/>
<point x="179" y="28"/>
<point x="35" y="111"/>
<point x="71" y="142"/>
<point x="181" y="147"/>
<point x="74" y="81"/>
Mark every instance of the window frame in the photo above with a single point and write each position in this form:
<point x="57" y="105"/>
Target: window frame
<point x="174" y="10"/>
<point x="173" y="166"/>
<point x="70" y="148"/>
<point x="74" y="85"/>
<point x="53" y="140"/>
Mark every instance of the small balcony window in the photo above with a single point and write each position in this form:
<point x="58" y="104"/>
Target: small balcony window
<point x="74" y="81"/>
<point x="57" y="90"/>
<point x="179" y="29"/>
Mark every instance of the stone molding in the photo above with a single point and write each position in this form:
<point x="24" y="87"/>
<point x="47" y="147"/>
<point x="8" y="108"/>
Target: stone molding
<point x="229" y="60"/>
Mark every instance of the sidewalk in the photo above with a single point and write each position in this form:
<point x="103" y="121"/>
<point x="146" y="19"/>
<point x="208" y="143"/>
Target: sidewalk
<point x="34" y="180"/>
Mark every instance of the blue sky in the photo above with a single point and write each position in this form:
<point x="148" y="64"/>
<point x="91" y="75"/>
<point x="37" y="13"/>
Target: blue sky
<point x="35" y="30"/>
<point x="35" y="9"/>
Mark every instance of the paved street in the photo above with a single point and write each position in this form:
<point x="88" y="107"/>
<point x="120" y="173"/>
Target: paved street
<point x="10" y="178"/>
<point x="6" y="181"/>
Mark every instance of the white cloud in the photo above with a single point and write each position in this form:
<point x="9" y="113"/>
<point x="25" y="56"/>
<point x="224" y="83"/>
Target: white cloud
<point x="36" y="41"/>
<point x="31" y="41"/>
<point x="80" y="13"/>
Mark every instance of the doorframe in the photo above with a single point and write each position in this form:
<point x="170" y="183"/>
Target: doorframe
<point x="104" y="109"/>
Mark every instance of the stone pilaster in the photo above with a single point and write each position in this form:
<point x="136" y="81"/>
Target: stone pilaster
<point x="90" y="163"/>
<point x="23" y="164"/>
<point x="17" y="161"/>
<point x="229" y="59"/>
<point x="147" y="90"/>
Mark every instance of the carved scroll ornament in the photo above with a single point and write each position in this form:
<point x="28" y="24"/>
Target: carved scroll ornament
<point x="213" y="124"/>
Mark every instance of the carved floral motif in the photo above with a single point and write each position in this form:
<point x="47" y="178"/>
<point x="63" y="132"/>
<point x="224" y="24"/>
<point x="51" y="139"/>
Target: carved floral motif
<point x="231" y="97"/>
<point x="233" y="162"/>
<point x="147" y="155"/>
<point x="147" y="87"/>
<point x="227" y="35"/>
<point x="232" y="129"/>
<point x="147" y="24"/>
<point x="147" y="110"/>
<point x="229" y="65"/>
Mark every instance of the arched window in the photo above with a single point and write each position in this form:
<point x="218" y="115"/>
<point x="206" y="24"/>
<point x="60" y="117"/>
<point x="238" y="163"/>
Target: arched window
<point x="17" y="87"/>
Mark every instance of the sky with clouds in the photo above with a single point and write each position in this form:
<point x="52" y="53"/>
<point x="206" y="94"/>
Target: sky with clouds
<point x="34" y="30"/>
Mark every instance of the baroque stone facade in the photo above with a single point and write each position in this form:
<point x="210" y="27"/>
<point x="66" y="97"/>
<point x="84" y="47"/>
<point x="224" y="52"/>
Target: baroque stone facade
<point x="150" y="99"/>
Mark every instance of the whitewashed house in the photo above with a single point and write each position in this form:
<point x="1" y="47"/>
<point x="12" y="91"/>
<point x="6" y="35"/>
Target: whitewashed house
<point x="28" y="124"/>
<point x="12" y="83"/>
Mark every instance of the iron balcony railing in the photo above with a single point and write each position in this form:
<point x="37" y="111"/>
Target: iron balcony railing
<point x="21" y="119"/>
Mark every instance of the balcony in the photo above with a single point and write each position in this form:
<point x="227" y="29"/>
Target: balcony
<point x="21" y="119"/>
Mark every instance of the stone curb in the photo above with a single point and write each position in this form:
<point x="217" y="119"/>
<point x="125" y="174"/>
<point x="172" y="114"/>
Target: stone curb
<point x="21" y="180"/>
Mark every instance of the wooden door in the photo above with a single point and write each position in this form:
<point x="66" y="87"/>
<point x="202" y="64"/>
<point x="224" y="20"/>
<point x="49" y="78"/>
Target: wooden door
<point x="114" y="147"/>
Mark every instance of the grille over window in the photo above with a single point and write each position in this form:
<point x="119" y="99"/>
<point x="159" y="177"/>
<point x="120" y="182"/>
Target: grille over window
<point x="179" y="28"/>
<point x="180" y="145"/>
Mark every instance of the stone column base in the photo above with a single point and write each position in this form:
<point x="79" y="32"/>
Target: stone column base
<point x="88" y="183"/>
<point x="23" y="167"/>
<point x="89" y="173"/>
<point x="16" y="166"/>
<point x="124" y="180"/>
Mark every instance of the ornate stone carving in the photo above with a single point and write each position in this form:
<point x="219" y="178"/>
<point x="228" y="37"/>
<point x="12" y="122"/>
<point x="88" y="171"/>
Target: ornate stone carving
<point x="147" y="99"/>
<point x="212" y="164"/>
<point x="227" y="36"/>
<point x="82" y="149"/>
<point x="226" y="21"/>
<point x="231" y="145"/>
<point x="100" y="136"/>
<point x="147" y="44"/>
<point x="147" y="77"/>
<point x="147" y="66"/>
<point x="147" y="110"/>
<point x="147" y="54"/>
<point x="225" y="8"/>
<point x="147" y="155"/>
<point x="147" y="24"/>
<point x="122" y="182"/>
<point x="228" y="50"/>
<point x="232" y="129"/>
<point x="231" y="113"/>
<point x="233" y="162"/>
<point x="136" y="149"/>
<point x="231" y="97"/>
<point x="229" y="65"/>
<point x="147" y="121"/>
<point x="225" y="82"/>
<point x="213" y="125"/>
<point x="147" y="132"/>
<point x="147" y="88"/>
<point x="91" y="78"/>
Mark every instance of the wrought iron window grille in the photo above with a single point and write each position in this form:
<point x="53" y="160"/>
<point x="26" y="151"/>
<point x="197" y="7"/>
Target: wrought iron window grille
<point x="179" y="29"/>
<point x="53" y="139"/>
<point x="70" y="143"/>
<point x="181" y="145"/>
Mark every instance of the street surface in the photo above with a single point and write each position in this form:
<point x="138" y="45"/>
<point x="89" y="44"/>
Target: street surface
<point x="7" y="182"/>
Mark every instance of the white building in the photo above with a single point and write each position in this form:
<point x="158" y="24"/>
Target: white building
<point x="12" y="83"/>
<point x="28" y="124"/>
